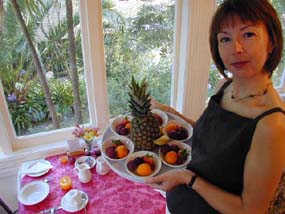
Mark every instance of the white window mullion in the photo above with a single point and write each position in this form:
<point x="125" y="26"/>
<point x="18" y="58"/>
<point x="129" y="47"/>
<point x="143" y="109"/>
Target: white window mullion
<point x="191" y="70"/>
<point x="94" y="61"/>
<point x="7" y="131"/>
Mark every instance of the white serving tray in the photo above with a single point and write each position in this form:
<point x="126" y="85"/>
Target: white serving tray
<point x="119" y="166"/>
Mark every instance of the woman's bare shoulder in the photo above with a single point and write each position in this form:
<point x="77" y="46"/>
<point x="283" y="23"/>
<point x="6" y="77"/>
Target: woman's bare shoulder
<point x="272" y="127"/>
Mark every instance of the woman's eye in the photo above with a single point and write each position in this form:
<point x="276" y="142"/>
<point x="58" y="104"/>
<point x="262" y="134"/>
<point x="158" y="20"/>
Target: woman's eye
<point x="249" y="34"/>
<point x="224" y="39"/>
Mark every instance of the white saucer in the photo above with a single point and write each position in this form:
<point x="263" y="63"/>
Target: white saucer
<point x="86" y="159"/>
<point x="38" y="174"/>
<point x="33" y="192"/>
<point x="64" y="203"/>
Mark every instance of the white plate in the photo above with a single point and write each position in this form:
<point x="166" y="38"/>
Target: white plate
<point x="181" y="145"/>
<point x="33" y="192"/>
<point x="86" y="159"/>
<point x="64" y="203"/>
<point x="157" y="163"/>
<point x="39" y="173"/>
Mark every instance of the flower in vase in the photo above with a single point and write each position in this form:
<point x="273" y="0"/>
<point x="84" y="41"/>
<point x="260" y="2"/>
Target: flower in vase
<point x="86" y="133"/>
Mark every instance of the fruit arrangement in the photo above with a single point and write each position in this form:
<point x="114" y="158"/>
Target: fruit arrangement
<point x="123" y="128"/>
<point x="173" y="154"/>
<point x="176" y="132"/>
<point x="142" y="166"/>
<point x="118" y="150"/>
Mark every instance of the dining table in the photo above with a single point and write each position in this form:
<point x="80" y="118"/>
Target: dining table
<point x="107" y="194"/>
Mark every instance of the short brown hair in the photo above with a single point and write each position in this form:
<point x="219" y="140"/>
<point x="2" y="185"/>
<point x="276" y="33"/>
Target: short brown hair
<point x="248" y="10"/>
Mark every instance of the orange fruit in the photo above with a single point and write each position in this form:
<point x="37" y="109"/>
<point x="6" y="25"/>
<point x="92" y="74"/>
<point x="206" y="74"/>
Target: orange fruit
<point x="128" y="126"/>
<point x="171" y="127"/>
<point x="121" y="151"/>
<point x="171" y="157"/>
<point x="144" y="169"/>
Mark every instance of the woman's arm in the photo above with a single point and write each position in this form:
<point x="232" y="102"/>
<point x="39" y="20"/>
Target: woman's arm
<point x="166" y="108"/>
<point x="263" y="168"/>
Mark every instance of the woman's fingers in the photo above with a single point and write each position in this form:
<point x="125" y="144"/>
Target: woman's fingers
<point x="155" y="103"/>
<point x="151" y="180"/>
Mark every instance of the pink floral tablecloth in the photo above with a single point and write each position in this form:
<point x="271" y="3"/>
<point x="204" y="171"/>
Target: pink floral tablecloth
<point x="108" y="194"/>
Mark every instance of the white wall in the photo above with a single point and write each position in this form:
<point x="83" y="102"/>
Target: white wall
<point x="8" y="189"/>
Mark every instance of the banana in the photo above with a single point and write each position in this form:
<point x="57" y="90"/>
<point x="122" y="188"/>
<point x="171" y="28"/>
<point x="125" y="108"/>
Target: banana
<point x="162" y="140"/>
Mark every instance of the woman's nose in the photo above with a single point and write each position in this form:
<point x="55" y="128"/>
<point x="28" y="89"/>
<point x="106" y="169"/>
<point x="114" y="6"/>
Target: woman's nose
<point x="238" y="48"/>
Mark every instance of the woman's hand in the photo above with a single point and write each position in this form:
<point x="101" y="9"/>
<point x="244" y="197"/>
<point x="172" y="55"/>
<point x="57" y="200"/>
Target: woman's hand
<point x="170" y="179"/>
<point x="157" y="105"/>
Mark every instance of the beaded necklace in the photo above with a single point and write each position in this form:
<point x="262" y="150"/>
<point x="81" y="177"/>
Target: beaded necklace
<point x="259" y="94"/>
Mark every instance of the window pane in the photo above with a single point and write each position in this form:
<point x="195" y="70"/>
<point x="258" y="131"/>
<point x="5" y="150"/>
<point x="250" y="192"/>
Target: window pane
<point x="24" y="89"/>
<point x="138" y="37"/>
<point x="280" y="8"/>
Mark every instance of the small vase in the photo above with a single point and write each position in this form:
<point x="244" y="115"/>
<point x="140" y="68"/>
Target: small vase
<point x="88" y="149"/>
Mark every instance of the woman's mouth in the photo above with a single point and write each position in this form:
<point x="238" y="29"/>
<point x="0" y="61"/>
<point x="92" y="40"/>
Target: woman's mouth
<point x="239" y="64"/>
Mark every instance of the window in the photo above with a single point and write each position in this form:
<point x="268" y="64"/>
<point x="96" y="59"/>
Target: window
<point x="189" y="74"/>
<point x="23" y="89"/>
<point x="279" y="74"/>
<point x="26" y="87"/>
<point x="138" y="39"/>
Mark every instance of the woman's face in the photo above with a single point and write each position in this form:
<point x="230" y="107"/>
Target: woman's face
<point x="243" y="47"/>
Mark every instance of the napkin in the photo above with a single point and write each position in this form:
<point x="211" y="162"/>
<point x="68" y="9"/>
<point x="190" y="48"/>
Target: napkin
<point x="37" y="168"/>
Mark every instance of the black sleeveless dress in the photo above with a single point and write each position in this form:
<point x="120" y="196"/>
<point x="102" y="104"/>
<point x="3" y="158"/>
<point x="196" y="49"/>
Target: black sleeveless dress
<point x="220" y="143"/>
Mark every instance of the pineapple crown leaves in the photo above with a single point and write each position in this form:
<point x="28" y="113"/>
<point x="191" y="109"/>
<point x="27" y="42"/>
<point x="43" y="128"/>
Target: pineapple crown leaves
<point x="140" y="101"/>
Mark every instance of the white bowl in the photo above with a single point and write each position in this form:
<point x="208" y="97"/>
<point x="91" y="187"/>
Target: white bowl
<point x="118" y="120"/>
<point x="179" y="123"/>
<point x="33" y="192"/>
<point x="85" y="159"/>
<point x="162" y="114"/>
<point x="108" y="142"/>
<point x="157" y="163"/>
<point x="181" y="145"/>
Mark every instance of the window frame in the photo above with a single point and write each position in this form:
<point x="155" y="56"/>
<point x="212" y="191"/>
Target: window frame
<point x="190" y="74"/>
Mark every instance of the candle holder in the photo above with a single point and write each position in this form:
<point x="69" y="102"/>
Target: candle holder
<point x="65" y="182"/>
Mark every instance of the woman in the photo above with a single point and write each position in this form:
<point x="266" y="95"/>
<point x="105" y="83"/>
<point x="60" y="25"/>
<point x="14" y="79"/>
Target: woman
<point x="238" y="144"/>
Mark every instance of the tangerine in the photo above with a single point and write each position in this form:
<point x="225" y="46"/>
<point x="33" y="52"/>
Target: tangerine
<point x="121" y="151"/>
<point x="128" y="125"/>
<point x="171" y="157"/>
<point x="144" y="169"/>
<point x="171" y="127"/>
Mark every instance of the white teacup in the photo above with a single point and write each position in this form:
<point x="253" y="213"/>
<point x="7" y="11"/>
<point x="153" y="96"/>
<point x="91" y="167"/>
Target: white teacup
<point x="73" y="199"/>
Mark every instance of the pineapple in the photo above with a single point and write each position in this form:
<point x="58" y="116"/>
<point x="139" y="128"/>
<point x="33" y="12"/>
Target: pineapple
<point x="144" y="125"/>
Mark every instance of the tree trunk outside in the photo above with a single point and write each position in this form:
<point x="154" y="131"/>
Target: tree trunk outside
<point x="38" y="65"/>
<point x="73" y="65"/>
<point x="1" y="16"/>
